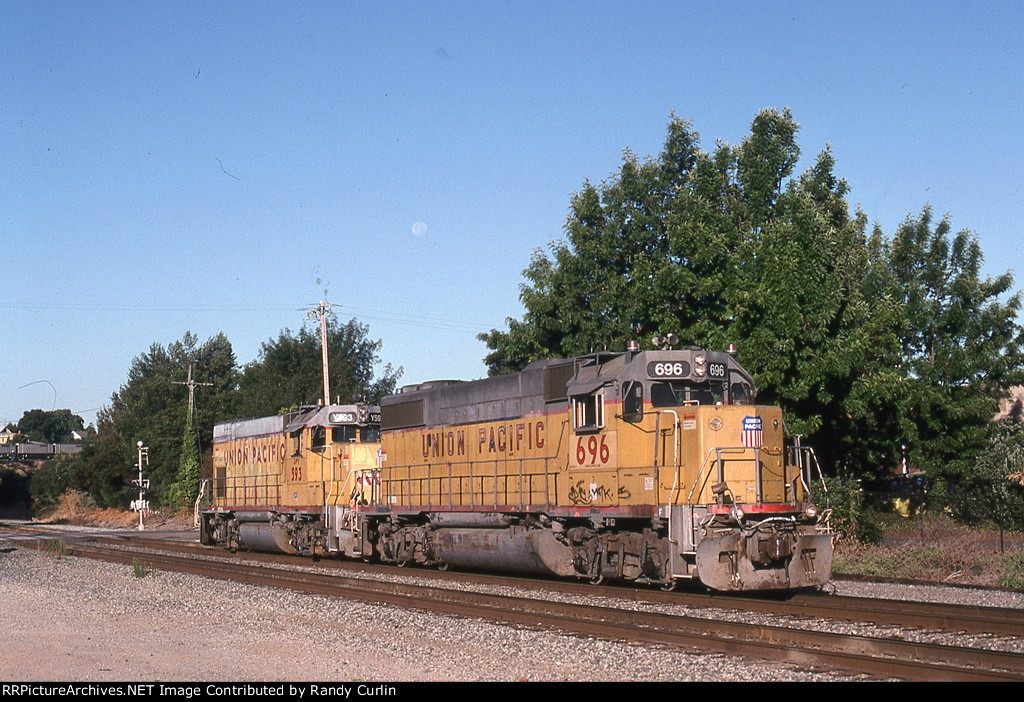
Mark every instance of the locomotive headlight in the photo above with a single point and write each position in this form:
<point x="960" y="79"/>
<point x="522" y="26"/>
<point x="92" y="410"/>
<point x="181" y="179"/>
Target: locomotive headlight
<point x="699" y="371"/>
<point x="810" y="511"/>
<point x="699" y="359"/>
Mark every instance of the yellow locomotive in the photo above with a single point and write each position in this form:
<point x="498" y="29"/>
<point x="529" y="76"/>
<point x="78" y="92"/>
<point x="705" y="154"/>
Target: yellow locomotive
<point x="646" y="466"/>
<point x="278" y="480"/>
<point x="652" y="467"/>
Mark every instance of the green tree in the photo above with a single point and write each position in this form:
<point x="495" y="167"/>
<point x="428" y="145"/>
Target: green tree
<point x="289" y="369"/>
<point x="867" y="343"/>
<point x="49" y="427"/>
<point x="961" y="343"/>
<point x="189" y="465"/>
<point x="993" y="492"/>
<point x="718" y="247"/>
<point x="151" y="407"/>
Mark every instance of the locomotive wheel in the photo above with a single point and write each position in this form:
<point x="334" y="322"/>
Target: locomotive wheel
<point x="595" y="579"/>
<point x="442" y="566"/>
<point x="669" y="586"/>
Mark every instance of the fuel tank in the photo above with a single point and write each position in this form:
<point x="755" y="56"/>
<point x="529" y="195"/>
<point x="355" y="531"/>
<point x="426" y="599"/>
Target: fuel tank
<point x="264" y="536"/>
<point x="515" y="548"/>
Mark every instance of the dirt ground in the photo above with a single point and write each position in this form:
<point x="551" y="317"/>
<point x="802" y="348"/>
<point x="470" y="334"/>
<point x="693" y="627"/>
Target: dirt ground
<point x="72" y="511"/>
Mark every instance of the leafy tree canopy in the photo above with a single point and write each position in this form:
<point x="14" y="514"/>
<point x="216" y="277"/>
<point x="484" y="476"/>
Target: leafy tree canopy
<point x="152" y="407"/>
<point x="49" y="427"/>
<point x="732" y="245"/>
<point x="289" y="369"/>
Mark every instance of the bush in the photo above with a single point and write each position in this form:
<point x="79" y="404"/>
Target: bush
<point x="1013" y="571"/>
<point x="48" y="483"/>
<point x="850" y="517"/>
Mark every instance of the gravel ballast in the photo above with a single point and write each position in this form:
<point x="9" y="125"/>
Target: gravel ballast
<point x="76" y="619"/>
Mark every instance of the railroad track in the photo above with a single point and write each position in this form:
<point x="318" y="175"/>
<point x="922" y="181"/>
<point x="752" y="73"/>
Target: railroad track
<point x="996" y="621"/>
<point x="876" y="656"/>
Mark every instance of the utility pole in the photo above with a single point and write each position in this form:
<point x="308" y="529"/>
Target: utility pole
<point x="191" y="390"/>
<point x="321" y="313"/>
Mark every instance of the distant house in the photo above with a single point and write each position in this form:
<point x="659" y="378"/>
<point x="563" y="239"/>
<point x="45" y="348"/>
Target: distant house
<point x="1013" y="405"/>
<point x="6" y="434"/>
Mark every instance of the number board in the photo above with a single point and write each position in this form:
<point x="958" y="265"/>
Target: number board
<point x="668" y="369"/>
<point x="353" y="418"/>
<point x="596" y="450"/>
<point x="716" y="370"/>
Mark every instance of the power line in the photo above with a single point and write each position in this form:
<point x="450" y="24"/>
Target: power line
<point x="361" y="312"/>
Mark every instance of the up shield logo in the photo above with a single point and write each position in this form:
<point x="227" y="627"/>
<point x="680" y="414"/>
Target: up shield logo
<point x="753" y="434"/>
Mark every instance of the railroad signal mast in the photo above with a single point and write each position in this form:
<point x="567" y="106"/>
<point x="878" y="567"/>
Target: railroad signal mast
<point x="141" y="505"/>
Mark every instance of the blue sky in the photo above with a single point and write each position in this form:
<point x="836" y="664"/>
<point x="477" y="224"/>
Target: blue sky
<point x="219" y="166"/>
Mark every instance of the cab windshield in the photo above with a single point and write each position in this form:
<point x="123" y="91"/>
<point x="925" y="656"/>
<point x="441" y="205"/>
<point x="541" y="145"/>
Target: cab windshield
<point x="675" y="393"/>
<point x="348" y="433"/>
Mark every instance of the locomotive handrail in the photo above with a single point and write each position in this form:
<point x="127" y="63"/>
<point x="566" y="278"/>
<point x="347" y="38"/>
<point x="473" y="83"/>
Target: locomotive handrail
<point x="269" y="486"/>
<point x="675" y="447"/>
<point x="422" y="487"/>
<point x="330" y="492"/>
<point x="804" y="469"/>
<point x="696" y="481"/>
<point x="199" y="498"/>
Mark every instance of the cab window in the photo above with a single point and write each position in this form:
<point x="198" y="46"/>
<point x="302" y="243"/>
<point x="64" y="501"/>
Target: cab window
<point x="318" y="438"/>
<point x="675" y="393"/>
<point x="740" y="394"/>
<point x="350" y="432"/>
<point x="588" y="411"/>
<point x="668" y="394"/>
<point x="345" y="434"/>
<point x="632" y="401"/>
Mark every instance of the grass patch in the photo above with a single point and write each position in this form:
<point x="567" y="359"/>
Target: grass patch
<point x="937" y="549"/>
<point x="1013" y="571"/>
<point x="56" y="548"/>
<point x="141" y="568"/>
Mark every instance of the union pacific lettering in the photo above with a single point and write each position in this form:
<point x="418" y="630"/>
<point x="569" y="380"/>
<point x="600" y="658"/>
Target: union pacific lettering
<point x="257" y="453"/>
<point x="440" y="444"/>
<point x="491" y="440"/>
<point x="510" y="438"/>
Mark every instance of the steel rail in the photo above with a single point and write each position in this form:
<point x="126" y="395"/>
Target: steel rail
<point x="998" y="621"/>
<point x="874" y="656"/>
